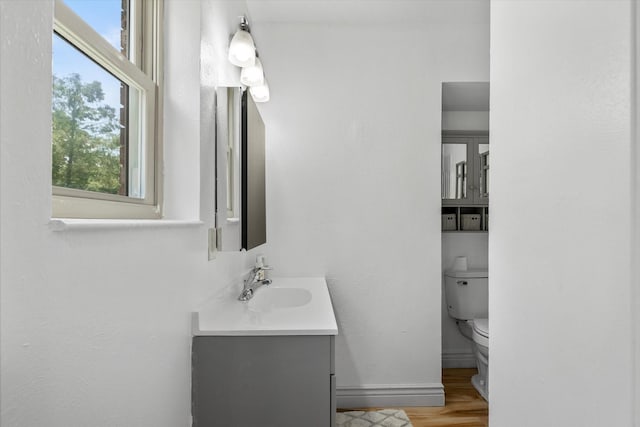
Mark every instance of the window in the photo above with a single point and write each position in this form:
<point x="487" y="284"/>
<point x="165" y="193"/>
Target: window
<point x="105" y="149"/>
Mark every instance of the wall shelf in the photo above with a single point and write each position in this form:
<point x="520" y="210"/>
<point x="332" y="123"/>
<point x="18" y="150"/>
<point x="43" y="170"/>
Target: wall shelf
<point x="465" y="219"/>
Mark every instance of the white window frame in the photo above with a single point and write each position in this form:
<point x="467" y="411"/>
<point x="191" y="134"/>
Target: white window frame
<point x="143" y="74"/>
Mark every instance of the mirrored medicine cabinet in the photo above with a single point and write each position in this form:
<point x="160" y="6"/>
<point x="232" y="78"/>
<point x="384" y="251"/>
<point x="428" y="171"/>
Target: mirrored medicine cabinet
<point x="465" y="181"/>
<point x="240" y="171"/>
<point x="465" y="169"/>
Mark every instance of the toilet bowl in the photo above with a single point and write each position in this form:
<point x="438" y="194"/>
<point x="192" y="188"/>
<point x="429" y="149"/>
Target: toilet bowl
<point x="466" y="295"/>
<point x="481" y="351"/>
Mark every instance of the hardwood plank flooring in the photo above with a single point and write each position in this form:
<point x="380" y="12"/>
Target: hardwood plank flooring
<point x="464" y="407"/>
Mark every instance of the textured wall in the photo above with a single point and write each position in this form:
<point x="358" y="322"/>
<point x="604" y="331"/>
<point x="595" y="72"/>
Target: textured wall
<point x="559" y="294"/>
<point x="95" y="324"/>
<point x="353" y="171"/>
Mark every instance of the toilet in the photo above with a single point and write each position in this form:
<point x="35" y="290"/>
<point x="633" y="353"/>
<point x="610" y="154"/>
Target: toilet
<point x="481" y="350"/>
<point x="467" y="298"/>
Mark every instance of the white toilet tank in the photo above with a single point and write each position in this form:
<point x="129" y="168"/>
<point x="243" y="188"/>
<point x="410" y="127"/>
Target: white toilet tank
<point x="467" y="294"/>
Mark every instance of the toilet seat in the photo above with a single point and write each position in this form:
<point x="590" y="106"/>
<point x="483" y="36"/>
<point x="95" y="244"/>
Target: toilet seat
<point x="481" y="331"/>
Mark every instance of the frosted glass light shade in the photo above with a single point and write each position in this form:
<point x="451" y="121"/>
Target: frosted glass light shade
<point x="260" y="93"/>
<point x="242" y="50"/>
<point x="253" y="75"/>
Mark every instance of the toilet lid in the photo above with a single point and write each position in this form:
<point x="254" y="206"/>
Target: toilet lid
<point x="481" y="326"/>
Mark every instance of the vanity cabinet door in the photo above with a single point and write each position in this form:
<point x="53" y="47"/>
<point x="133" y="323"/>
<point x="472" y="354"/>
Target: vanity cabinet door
<point x="266" y="381"/>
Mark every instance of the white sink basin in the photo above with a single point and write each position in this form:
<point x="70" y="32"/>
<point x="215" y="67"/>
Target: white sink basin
<point x="271" y="298"/>
<point x="288" y="306"/>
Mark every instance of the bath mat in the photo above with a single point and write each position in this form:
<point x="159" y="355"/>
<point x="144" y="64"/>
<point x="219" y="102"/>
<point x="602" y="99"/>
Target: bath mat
<point x="380" y="418"/>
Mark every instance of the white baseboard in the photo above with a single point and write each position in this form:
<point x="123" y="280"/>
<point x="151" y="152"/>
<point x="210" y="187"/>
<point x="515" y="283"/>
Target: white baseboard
<point x="390" y="395"/>
<point x="458" y="359"/>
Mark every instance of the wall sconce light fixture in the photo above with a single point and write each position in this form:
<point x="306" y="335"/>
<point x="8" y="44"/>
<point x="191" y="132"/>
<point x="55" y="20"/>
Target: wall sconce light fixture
<point x="260" y="93"/>
<point x="253" y="75"/>
<point x="242" y="53"/>
<point x="242" y="50"/>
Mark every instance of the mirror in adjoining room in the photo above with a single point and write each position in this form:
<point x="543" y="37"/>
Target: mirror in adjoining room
<point x="240" y="171"/>
<point x="465" y="143"/>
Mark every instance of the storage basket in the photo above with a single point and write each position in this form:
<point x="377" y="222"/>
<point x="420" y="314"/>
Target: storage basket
<point x="471" y="222"/>
<point x="448" y="222"/>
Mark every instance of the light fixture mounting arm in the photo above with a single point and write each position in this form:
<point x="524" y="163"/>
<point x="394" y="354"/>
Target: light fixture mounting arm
<point x="244" y="24"/>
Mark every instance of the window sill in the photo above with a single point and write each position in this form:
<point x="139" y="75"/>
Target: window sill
<point x="72" y="224"/>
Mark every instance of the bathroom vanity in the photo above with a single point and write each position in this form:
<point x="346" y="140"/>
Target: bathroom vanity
<point x="268" y="361"/>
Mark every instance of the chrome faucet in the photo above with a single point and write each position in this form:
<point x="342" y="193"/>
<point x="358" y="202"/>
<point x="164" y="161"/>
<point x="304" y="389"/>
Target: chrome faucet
<point x="255" y="279"/>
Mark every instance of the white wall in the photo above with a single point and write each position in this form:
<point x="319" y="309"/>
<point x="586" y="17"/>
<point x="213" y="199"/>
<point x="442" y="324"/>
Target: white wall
<point x="559" y="293"/>
<point x="353" y="183"/>
<point x="465" y="120"/>
<point x="95" y="324"/>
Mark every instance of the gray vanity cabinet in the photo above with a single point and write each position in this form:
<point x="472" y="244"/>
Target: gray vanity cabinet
<point x="263" y="381"/>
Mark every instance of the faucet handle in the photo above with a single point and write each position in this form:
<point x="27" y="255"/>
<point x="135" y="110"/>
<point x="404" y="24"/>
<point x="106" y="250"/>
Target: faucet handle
<point x="260" y="272"/>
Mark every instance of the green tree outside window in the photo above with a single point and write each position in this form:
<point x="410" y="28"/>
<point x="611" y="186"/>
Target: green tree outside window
<point x="86" y="137"/>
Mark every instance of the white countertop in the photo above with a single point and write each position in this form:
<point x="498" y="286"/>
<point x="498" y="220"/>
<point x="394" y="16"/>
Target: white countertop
<point x="224" y="315"/>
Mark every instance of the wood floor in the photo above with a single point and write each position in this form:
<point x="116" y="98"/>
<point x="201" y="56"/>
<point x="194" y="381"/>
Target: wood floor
<point x="463" y="405"/>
